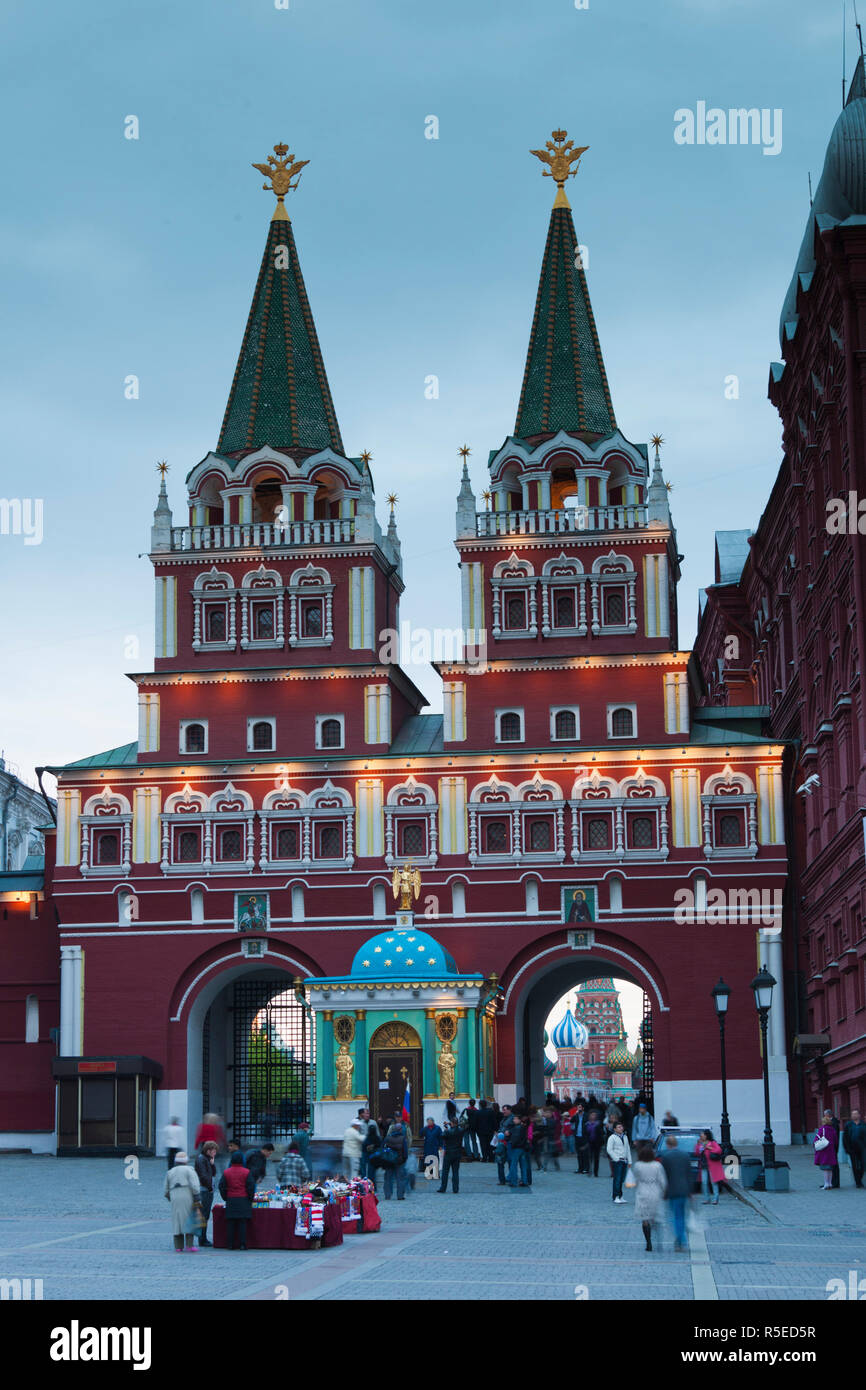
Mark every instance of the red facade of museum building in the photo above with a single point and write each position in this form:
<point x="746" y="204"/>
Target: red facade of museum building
<point x="793" y="599"/>
<point x="224" y="884"/>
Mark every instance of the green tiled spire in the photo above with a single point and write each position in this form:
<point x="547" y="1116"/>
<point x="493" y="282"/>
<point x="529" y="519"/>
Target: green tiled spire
<point x="280" y="393"/>
<point x="564" y="384"/>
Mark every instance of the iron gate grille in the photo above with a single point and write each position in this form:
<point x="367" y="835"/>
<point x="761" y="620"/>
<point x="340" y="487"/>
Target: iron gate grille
<point x="646" y="1038"/>
<point x="273" y="1060"/>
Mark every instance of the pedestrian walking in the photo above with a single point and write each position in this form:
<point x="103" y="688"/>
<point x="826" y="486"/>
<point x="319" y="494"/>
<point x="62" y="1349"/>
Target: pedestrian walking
<point x="292" y="1171"/>
<point x="826" y="1150"/>
<point x="619" y="1153"/>
<point x="678" y="1171"/>
<point x="211" y="1127"/>
<point x="452" y="1140"/>
<point x="172" y="1138"/>
<point x="651" y="1185"/>
<point x="835" y="1179"/>
<point x="353" y="1148"/>
<point x="397" y="1147"/>
<point x="182" y="1190"/>
<point x="431" y="1138"/>
<point x="552" y="1138"/>
<point x="302" y="1137"/>
<point x="854" y="1144"/>
<point x="370" y="1141"/>
<point x="644" y="1127"/>
<point x="594" y="1140"/>
<point x="710" y="1166"/>
<point x="237" y="1188"/>
<point x="206" y="1172"/>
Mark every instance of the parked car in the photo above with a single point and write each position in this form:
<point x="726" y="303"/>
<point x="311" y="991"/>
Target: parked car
<point x="686" y="1136"/>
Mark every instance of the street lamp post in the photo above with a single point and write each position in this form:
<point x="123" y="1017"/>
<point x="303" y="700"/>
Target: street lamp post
<point x="762" y="988"/>
<point x="721" y="993"/>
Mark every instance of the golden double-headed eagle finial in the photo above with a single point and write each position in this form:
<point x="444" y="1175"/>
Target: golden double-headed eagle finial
<point x="281" y="169"/>
<point x="559" y="154"/>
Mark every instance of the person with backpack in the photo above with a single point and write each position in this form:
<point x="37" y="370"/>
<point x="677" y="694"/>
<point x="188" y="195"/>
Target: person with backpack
<point x="394" y="1156"/>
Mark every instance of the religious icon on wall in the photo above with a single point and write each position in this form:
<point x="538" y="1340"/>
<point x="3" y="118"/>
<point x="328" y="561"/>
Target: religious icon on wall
<point x="251" y="912"/>
<point x="579" y="904"/>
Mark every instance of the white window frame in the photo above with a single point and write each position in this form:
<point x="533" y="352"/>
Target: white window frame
<point x="281" y="821"/>
<point x="182" y="748"/>
<point x="498" y="715"/>
<point x="565" y="709"/>
<point x="252" y="721"/>
<point x="330" y="747"/>
<point x="611" y="709"/>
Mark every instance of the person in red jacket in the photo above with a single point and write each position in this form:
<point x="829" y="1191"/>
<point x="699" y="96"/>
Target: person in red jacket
<point x="711" y="1167"/>
<point x="211" y="1127"/>
<point x="237" y="1186"/>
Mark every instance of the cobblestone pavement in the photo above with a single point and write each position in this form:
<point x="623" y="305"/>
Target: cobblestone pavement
<point x="90" y="1232"/>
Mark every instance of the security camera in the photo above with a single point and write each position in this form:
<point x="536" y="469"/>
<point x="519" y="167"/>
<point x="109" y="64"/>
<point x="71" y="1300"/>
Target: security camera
<point x="810" y="784"/>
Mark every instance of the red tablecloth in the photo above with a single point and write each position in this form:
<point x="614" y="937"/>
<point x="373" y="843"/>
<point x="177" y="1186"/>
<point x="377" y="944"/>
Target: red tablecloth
<point x="274" y="1229"/>
<point x="368" y="1221"/>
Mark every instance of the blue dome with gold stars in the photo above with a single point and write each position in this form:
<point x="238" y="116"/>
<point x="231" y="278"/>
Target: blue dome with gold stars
<point x="401" y="955"/>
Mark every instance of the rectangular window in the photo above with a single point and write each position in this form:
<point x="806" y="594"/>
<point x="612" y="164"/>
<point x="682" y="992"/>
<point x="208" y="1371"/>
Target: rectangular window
<point x="312" y="617"/>
<point x="107" y="847"/>
<point x="215" y="622"/>
<point x="329" y="842"/>
<point x="613" y="607"/>
<point x="286" y="842"/>
<point x="598" y="832"/>
<point x="230" y="844"/>
<point x="730" y="827"/>
<point x="515" y="612"/>
<point x="564" y="608"/>
<point x="539" y="837"/>
<point x="495" y="838"/>
<point x="642" y="832"/>
<point x="263" y="624"/>
<point x="412" y="838"/>
<point x="187" y="846"/>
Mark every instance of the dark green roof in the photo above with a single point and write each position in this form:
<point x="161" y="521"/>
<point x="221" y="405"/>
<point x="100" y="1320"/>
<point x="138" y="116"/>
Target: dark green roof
<point x="564" y="384"/>
<point x="717" y="724"/>
<point x="280" y="394"/>
<point x="125" y="756"/>
<point x="422" y="733"/>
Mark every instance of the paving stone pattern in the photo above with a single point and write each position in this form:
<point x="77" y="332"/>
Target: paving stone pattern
<point x="89" y="1232"/>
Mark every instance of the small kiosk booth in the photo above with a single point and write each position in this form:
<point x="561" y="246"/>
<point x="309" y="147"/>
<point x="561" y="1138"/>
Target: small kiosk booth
<point x="106" y="1106"/>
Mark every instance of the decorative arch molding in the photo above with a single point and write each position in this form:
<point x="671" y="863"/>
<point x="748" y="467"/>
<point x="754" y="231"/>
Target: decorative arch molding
<point x="418" y="800"/>
<point x="230" y="801"/>
<point x="215" y="584"/>
<point x="105" y="810"/>
<point x="285" y="798"/>
<point x="214" y="579"/>
<point x="730" y="793"/>
<point x="493" y="790"/>
<point x="312" y="581"/>
<point x="538" y="788"/>
<point x="107" y="803"/>
<point x="513" y="569"/>
<point x="329" y="796"/>
<point x="261" y="578"/>
<point x="395" y="1033"/>
<point x="562" y="566"/>
<point x="612" y="572"/>
<point x="620" y="801"/>
<point x="186" y="802"/>
<point x="517" y="806"/>
<point x="648" y="976"/>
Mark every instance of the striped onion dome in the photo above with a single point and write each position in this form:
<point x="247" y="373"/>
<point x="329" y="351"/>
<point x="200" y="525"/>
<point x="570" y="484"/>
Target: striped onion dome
<point x="569" y="1032"/>
<point x="549" y="1067"/>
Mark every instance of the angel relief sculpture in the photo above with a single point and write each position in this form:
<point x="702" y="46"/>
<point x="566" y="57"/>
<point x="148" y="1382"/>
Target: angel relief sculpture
<point x="407" y="884"/>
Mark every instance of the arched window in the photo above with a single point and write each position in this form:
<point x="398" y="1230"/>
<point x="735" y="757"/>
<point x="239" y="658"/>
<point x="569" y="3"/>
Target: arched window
<point x="614" y="608"/>
<point x="297" y="902"/>
<point x="196" y="905"/>
<point x="331" y="734"/>
<point x="215" y="623"/>
<point x="458" y="899"/>
<point x="565" y="724"/>
<point x="330" y="842"/>
<point x="531" y="896"/>
<point x="379" y="901"/>
<point x="509" y="728"/>
<point x="263" y="622"/>
<point x="263" y="736"/>
<point x="563" y="608"/>
<point x="31" y="1019"/>
<point x="622" y="722"/>
<point x="515" y="612"/>
<point x="194" y="738"/>
<point x="598" y="832"/>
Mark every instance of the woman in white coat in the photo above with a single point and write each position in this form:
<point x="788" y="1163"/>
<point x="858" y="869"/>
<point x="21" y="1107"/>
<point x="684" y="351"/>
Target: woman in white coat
<point x="353" y="1147"/>
<point x="651" y="1184"/>
<point x="182" y="1189"/>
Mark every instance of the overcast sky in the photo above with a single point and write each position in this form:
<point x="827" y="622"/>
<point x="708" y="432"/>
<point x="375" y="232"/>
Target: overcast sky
<point x="420" y="256"/>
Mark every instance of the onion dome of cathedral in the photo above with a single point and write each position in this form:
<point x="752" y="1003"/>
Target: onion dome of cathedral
<point x="400" y="954"/>
<point x="569" y="1032"/>
<point x="549" y="1067"/>
<point x="546" y="1038"/>
<point x="620" y="1059"/>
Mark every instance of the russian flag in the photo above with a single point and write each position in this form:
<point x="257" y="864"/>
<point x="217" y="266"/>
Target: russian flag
<point x="407" y="1101"/>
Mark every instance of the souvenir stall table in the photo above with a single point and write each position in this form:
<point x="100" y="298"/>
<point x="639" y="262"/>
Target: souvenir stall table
<point x="284" y="1219"/>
